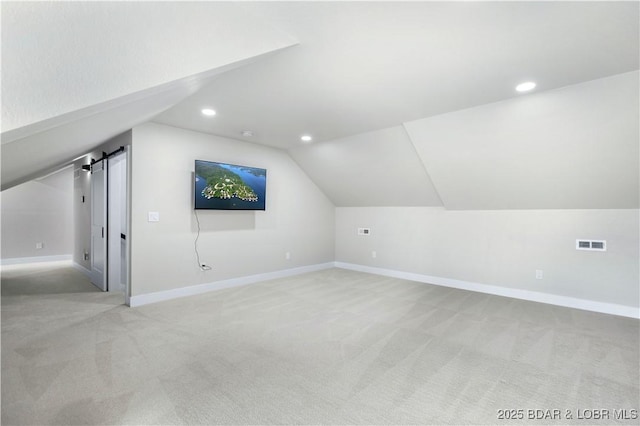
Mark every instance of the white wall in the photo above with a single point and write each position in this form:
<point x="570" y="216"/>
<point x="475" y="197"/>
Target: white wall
<point x="298" y="217"/>
<point x="501" y="248"/>
<point x="38" y="211"/>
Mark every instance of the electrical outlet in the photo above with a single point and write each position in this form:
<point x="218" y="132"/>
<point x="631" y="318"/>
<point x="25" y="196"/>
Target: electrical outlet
<point x="374" y="254"/>
<point x="364" y="231"/>
<point x="86" y="255"/>
<point x="287" y="255"/>
<point x="539" y="274"/>
<point x="39" y="245"/>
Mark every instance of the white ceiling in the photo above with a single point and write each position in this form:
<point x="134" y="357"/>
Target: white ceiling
<point x="576" y="147"/>
<point x="77" y="73"/>
<point x="363" y="66"/>
<point x="31" y="151"/>
<point x="377" y="168"/>
<point x="422" y="92"/>
<point x="59" y="57"/>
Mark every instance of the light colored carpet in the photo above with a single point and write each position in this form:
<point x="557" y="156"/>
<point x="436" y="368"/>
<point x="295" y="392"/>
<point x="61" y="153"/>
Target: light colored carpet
<point x="329" y="347"/>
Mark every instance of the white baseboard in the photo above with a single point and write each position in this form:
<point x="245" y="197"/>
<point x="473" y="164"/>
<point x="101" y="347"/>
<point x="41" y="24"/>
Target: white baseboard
<point x="145" y="299"/>
<point x="82" y="269"/>
<point x="35" y="259"/>
<point x="533" y="296"/>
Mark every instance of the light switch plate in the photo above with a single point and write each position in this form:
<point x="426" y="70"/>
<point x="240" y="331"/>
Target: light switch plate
<point x="154" y="216"/>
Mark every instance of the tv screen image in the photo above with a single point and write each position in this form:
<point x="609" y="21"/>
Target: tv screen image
<point x="221" y="186"/>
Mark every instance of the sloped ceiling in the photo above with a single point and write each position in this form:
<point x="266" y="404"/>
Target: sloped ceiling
<point x="364" y="66"/>
<point x="572" y="148"/>
<point x="408" y="103"/>
<point x="31" y="151"/>
<point x="60" y="57"/>
<point x="379" y="168"/>
<point x="76" y="73"/>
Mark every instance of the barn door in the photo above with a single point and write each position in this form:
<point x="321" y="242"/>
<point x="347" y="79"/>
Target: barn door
<point x="99" y="225"/>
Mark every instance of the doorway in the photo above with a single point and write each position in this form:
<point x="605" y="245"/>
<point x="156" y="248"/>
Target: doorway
<point x="109" y="223"/>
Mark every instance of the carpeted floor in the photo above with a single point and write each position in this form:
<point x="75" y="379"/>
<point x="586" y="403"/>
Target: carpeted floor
<point x="329" y="347"/>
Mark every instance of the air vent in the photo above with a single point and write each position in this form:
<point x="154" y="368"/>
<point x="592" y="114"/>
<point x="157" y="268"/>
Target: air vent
<point x="593" y="245"/>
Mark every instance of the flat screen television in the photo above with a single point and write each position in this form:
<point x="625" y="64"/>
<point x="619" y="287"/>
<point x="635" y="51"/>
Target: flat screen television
<point x="221" y="186"/>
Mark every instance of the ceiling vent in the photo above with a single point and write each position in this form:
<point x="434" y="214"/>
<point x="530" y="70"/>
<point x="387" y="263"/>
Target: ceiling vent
<point x="593" y="245"/>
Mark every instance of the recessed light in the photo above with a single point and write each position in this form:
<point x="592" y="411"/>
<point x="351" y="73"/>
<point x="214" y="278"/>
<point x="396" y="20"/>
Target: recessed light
<point x="526" y="86"/>
<point x="305" y="138"/>
<point x="247" y="133"/>
<point x="208" y="111"/>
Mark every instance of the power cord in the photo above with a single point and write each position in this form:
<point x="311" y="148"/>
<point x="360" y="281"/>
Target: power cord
<point x="202" y="266"/>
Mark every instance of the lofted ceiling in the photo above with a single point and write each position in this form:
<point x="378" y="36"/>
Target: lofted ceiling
<point x="75" y="74"/>
<point x="574" y="147"/>
<point x="408" y="103"/>
<point x="363" y="66"/>
<point x="60" y="57"/>
<point x="377" y="168"/>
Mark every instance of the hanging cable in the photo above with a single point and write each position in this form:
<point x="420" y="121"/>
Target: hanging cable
<point x="202" y="266"/>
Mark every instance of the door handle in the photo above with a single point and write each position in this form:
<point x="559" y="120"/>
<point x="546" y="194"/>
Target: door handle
<point x="103" y="232"/>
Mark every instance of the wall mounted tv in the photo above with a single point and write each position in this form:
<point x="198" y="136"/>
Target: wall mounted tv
<point x="221" y="186"/>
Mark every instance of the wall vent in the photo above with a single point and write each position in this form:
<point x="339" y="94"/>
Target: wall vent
<point x="593" y="245"/>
